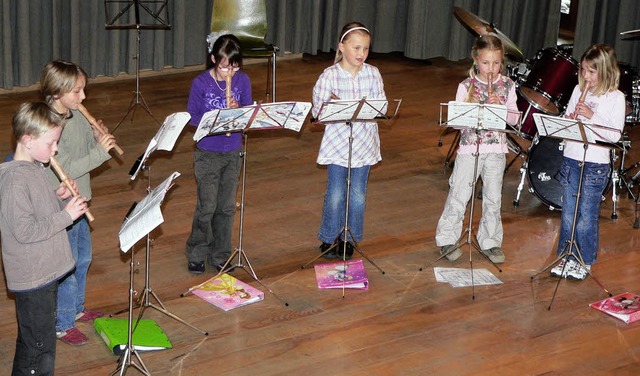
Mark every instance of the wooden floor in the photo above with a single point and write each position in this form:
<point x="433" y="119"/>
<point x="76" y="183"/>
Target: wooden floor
<point x="406" y="323"/>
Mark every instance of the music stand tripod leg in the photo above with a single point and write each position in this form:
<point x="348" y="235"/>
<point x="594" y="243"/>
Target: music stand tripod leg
<point x="345" y="233"/>
<point x="125" y="361"/>
<point x="471" y="238"/>
<point x="571" y="243"/>
<point x="243" y="261"/>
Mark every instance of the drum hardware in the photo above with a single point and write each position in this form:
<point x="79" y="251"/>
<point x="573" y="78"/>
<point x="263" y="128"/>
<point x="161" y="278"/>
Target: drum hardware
<point x="515" y="148"/>
<point x="448" y="161"/>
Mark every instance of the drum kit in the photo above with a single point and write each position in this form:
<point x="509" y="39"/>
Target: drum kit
<point x="544" y="85"/>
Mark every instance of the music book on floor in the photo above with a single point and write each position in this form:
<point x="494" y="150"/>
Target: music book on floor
<point x="625" y="307"/>
<point x="147" y="335"/>
<point x="350" y="274"/>
<point x="227" y="292"/>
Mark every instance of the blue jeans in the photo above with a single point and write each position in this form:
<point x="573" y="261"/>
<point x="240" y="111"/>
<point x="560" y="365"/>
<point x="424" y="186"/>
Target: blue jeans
<point x="71" y="293"/>
<point x="217" y="183"/>
<point x="36" y="341"/>
<point x="593" y="184"/>
<point x="335" y="198"/>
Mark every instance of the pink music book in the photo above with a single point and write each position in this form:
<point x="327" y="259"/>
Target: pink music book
<point x="350" y="274"/>
<point x="625" y="307"/>
<point x="227" y="292"/>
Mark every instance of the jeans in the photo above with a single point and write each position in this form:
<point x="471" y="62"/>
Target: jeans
<point x="217" y="183"/>
<point x="335" y="198"/>
<point x="71" y="293"/>
<point x="593" y="184"/>
<point x="491" y="169"/>
<point x="36" y="341"/>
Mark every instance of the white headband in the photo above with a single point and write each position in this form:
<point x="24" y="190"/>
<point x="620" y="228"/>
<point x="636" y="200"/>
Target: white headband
<point x="352" y="29"/>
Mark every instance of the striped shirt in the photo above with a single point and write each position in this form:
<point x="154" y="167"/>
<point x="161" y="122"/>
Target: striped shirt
<point x="334" y="148"/>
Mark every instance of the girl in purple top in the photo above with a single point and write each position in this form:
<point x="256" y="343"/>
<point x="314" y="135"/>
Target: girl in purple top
<point x="217" y="158"/>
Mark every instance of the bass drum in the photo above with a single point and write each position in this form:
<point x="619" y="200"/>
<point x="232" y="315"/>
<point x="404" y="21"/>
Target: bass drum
<point x="543" y="171"/>
<point x="543" y="167"/>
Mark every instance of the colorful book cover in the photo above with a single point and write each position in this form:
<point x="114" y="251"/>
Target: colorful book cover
<point x="147" y="335"/>
<point x="625" y="307"/>
<point x="227" y="292"/>
<point x="350" y="274"/>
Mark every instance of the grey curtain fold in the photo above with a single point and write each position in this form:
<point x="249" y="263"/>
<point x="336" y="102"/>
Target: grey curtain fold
<point x="33" y="32"/>
<point x="602" y="21"/>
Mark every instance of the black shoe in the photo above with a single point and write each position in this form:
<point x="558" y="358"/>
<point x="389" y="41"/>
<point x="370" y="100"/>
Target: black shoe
<point x="341" y="252"/>
<point x="196" y="267"/>
<point x="331" y="254"/>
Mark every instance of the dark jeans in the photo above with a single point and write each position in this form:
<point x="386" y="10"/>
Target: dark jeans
<point x="36" y="342"/>
<point x="217" y="180"/>
<point x="594" y="182"/>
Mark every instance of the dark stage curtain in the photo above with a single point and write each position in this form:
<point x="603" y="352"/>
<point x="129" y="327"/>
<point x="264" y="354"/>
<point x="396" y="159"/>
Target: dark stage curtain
<point x="602" y="21"/>
<point x="33" y="32"/>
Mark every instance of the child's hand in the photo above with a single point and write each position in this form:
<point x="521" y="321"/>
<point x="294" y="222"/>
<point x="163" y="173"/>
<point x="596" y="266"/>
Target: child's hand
<point x="583" y="110"/>
<point x="99" y="129"/>
<point x="107" y="141"/>
<point x="76" y="207"/>
<point x="493" y="99"/>
<point x="63" y="191"/>
<point x="233" y="103"/>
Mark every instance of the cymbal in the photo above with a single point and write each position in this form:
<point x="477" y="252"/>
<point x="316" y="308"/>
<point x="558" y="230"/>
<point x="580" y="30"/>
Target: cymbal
<point x="631" y="33"/>
<point x="481" y="27"/>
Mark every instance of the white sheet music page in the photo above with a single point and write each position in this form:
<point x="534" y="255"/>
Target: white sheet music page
<point x="146" y="216"/>
<point x="472" y="115"/>
<point x="166" y="137"/>
<point x="560" y="127"/>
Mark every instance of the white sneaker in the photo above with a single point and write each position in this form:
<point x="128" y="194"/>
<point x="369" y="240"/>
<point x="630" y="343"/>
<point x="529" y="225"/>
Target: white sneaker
<point x="559" y="271"/>
<point x="577" y="272"/>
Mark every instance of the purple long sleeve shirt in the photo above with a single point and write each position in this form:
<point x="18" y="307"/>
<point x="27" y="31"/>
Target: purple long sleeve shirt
<point x="207" y="95"/>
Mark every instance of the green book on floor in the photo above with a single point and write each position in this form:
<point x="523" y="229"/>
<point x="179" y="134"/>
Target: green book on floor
<point x="147" y="335"/>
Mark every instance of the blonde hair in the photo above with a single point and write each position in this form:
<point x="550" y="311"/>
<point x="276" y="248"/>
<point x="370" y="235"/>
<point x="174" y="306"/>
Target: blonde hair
<point x="58" y="78"/>
<point x="347" y="32"/>
<point x="484" y="42"/>
<point x="35" y="119"/>
<point x="602" y="58"/>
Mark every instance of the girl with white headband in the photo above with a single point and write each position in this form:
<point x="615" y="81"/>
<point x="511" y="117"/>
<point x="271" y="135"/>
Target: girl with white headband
<point x="349" y="78"/>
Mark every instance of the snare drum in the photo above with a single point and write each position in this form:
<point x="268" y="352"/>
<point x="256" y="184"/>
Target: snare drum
<point x="551" y="80"/>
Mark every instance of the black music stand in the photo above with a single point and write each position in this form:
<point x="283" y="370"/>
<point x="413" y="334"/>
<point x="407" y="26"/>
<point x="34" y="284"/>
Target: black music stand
<point x="164" y="139"/>
<point x="154" y="16"/>
<point x="275" y="115"/>
<point x="479" y="117"/>
<point x="348" y="111"/>
<point x="142" y="219"/>
<point x="585" y="133"/>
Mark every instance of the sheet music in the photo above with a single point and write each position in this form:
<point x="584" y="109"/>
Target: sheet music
<point x="343" y="110"/>
<point x="474" y="115"/>
<point x="166" y="137"/>
<point x="223" y="120"/>
<point x="287" y="115"/>
<point x="555" y="126"/>
<point x="458" y="277"/>
<point x="146" y="216"/>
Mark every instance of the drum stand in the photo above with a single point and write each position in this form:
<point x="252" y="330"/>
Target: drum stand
<point x="571" y="248"/>
<point x="619" y="177"/>
<point x="345" y="232"/>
